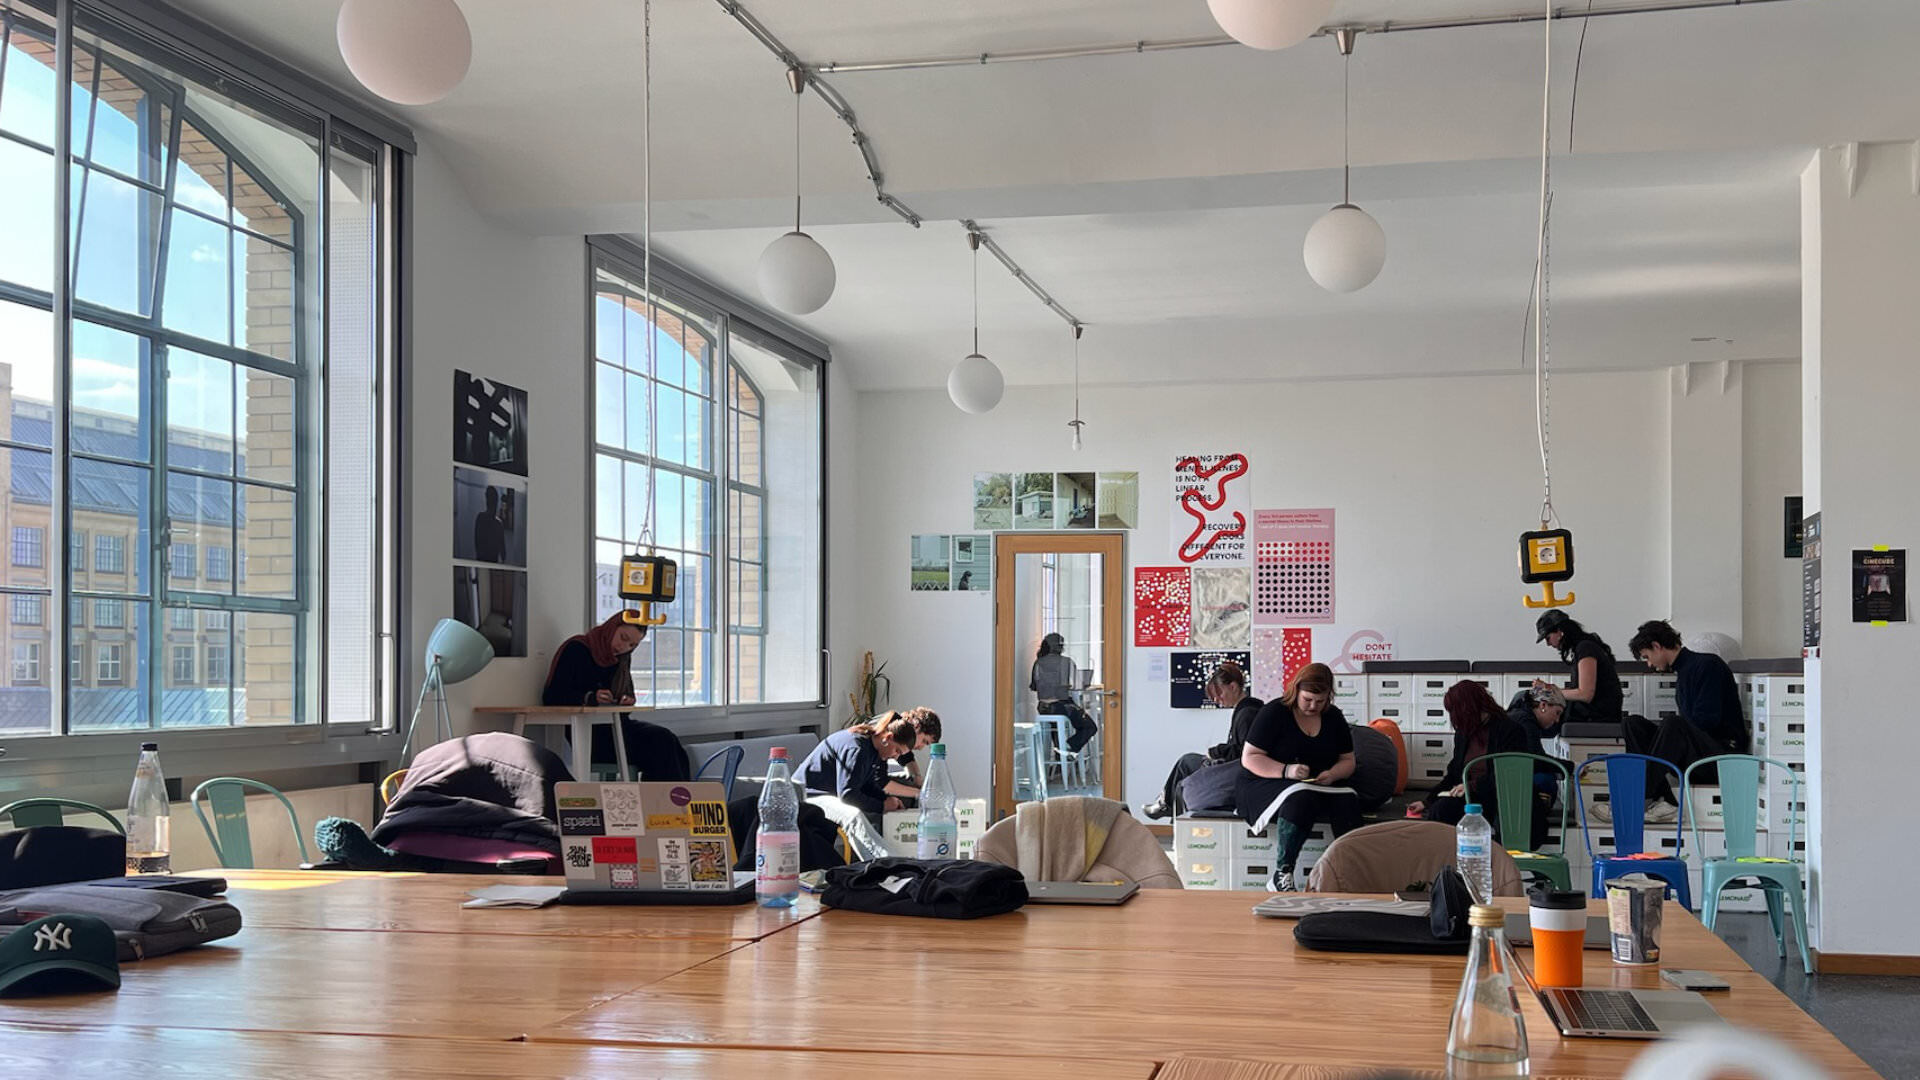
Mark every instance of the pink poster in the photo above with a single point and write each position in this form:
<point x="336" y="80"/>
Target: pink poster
<point x="1293" y="566"/>
<point x="1162" y="606"/>
<point x="1279" y="652"/>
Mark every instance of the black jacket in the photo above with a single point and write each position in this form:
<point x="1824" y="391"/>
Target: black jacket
<point x="1237" y="729"/>
<point x="495" y="785"/>
<point x="1706" y="695"/>
<point x="1504" y="736"/>
<point x="846" y="764"/>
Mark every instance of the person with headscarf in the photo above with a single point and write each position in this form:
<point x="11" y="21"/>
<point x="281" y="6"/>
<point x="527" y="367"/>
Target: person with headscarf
<point x="1482" y="727"/>
<point x="596" y="668"/>
<point x="1052" y="681"/>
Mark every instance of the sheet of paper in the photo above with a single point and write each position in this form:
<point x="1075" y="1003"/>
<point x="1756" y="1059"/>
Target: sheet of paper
<point x="514" y="896"/>
<point x="1157" y="667"/>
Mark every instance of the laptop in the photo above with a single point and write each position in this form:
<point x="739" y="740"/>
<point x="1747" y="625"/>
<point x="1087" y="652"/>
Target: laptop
<point x="1098" y="893"/>
<point x="648" y="842"/>
<point x="1599" y="934"/>
<point x="1620" y="1014"/>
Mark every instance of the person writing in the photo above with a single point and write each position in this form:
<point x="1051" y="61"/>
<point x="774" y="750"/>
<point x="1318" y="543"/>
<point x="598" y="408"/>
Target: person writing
<point x="1710" y="723"/>
<point x="1595" y="696"/>
<point x="1481" y="727"/>
<point x="926" y="724"/>
<point x="849" y="767"/>
<point x="1227" y="689"/>
<point x="596" y="668"/>
<point x="1052" y="682"/>
<point x="1300" y="739"/>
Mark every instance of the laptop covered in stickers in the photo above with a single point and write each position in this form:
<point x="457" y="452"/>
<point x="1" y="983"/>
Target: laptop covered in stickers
<point x="648" y="842"/>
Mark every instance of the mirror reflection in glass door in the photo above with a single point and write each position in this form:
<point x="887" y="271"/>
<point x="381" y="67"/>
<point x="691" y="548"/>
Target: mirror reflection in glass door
<point x="1059" y="627"/>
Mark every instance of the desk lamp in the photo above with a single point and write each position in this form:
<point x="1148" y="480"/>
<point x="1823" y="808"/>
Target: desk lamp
<point x="455" y="653"/>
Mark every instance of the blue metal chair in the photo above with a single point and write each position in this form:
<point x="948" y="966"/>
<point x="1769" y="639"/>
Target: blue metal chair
<point x="233" y="846"/>
<point x="35" y="812"/>
<point x="1627" y="795"/>
<point x="729" y="758"/>
<point x="1740" y="797"/>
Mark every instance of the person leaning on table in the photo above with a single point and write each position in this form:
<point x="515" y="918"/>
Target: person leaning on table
<point x="596" y="668"/>
<point x="1301" y="738"/>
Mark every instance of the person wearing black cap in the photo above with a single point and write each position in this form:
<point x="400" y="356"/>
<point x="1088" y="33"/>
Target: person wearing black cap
<point x="1594" y="697"/>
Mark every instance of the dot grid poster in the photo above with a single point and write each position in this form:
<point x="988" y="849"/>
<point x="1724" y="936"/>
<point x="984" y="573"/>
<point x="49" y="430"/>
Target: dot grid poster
<point x="1293" y="567"/>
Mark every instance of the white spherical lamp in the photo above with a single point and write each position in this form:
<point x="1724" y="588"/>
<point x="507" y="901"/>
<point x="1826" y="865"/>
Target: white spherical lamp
<point x="975" y="384"/>
<point x="1270" y="24"/>
<point x="1345" y="249"/>
<point x="796" y="274"/>
<point x="411" y="52"/>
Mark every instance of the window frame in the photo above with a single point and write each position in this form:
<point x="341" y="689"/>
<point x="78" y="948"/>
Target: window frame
<point x="728" y="316"/>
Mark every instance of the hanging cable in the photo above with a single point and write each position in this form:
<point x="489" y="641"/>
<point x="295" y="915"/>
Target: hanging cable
<point x="1076" y="423"/>
<point x="797" y="80"/>
<point x="1573" y="95"/>
<point x="1541" y="280"/>
<point x="973" y="241"/>
<point x="646" y="260"/>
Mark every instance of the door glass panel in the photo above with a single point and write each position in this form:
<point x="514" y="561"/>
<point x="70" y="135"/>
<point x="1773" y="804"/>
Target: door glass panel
<point x="1059" y="627"/>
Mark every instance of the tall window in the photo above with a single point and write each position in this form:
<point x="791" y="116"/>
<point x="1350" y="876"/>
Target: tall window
<point x="711" y="412"/>
<point x="219" y="564"/>
<point x="224" y="383"/>
<point x="29" y="547"/>
<point x="27" y="610"/>
<point x="26" y="665"/>
<point x="184" y="665"/>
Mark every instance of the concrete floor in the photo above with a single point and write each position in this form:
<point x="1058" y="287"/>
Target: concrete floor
<point x="1875" y="1015"/>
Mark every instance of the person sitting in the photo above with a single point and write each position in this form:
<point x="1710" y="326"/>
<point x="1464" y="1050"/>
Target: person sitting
<point x="926" y="723"/>
<point x="1298" y="740"/>
<point x="1052" y="682"/>
<point x="1595" y="696"/>
<point x="1710" y="723"/>
<point x="1227" y="689"/>
<point x="596" y="668"/>
<point x="846" y="774"/>
<point x="1481" y="727"/>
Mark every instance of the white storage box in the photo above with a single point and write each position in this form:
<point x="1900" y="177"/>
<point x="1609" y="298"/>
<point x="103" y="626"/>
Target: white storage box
<point x="1205" y="838"/>
<point x="1402" y="715"/>
<point x="1350" y="694"/>
<point x="1512" y="684"/>
<point x="1705" y="807"/>
<point x="1781" y="737"/>
<point x="1430" y="718"/>
<point x="901" y="829"/>
<point x="1658" y="694"/>
<point x="1633" y="695"/>
<point x="1389" y="690"/>
<point x="1205" y="872"/>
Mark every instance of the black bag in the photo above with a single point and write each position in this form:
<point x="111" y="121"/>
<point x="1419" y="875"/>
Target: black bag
<point x="932" y="888"/>
<point x="148" y="922"/>
<point x="1211" y="787"/>
<point x="1443" y="930"/>
<point x="52" y="854"/>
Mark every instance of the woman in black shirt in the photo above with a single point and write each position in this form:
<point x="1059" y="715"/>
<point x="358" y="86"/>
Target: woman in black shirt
<point x="1302" y="738"/>
<point x="1594" y="697"/>
<point x="1482" y="727"/>
<point x="596" y="668"/>
<point x="1227" y="689"/>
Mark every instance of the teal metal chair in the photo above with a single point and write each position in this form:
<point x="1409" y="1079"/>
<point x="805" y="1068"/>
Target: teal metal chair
<point x="227" y="832"/>
<point x="35" y="812"/>
<point x="1513" y="794"/>
<point x="1740" y="798"/>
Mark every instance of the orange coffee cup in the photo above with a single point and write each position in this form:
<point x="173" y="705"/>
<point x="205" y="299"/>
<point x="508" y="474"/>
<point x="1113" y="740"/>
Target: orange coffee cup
<point x="1559" y="923"/>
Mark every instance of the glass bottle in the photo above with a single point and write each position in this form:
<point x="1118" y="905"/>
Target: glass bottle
<point x="1488" y="1036"/>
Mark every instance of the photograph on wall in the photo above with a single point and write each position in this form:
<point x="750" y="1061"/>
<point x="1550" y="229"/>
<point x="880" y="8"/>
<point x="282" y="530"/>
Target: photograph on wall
<point x="932" y="562"/>
<point x="1162" y="606"/>
<point x="1118" y="504"/>
<point x="1880" y="585"/>
<point x="1293" y="566"/>
<point x="493" y="602"/>
<point x="1278" y="652"/>
<point x="489" y="424"/>
<point x="1033" y="500"/>
<point x="1212" y="509"/>
<point x="1073" y="499"/>
<point x="993" y="500"/>
<point x="1796" y="528"/>
<point x="1189" y="672"/>
<point x="489" y="518"/>
<point x="973" y="563"/>
<point x="1222" y="607"/>
<point x="1810" y="599"/>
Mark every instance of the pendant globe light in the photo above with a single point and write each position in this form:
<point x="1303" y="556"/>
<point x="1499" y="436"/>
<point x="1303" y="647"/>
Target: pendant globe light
<point x="974" y="384"/>
<point x="411" y="52"/>
<point x="796" y="274"/>
<point x="1346" y="248"/>
<point x="1270" y="24"/>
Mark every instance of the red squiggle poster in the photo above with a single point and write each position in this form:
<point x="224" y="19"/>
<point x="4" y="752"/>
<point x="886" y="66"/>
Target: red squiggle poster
<point x="1212" y="508"/>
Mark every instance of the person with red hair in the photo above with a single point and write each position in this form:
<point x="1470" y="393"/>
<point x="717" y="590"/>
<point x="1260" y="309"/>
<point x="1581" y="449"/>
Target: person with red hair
<point x="1481" y="727"/>
<point x="596" y="668"/>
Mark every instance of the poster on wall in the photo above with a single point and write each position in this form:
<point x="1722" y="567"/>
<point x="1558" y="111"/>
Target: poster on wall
<point x="1222" y="608"/>
<point x="1073" y="499"/>
<point x="1033" y="500"/>
<point x="1810" y="583"/>
<point x="993" y="500"/>
<point x="1189" y="672"/>
<point x="1346" y="649"/>
<point x="489" y="517"/>
<point x="1278" y="652"/>
<point x="493" y="602"/>
<point x="972" y="563"/>
<point x="489" y="424"/>
<point x="932" y="562"/>
<point x="1118" y="503"/>
<point x="1880" y="585"/>
<point x="1796" y="528"/>
<point x="1162" y="606"/>
<point x="1212" y="508"/>
<point x="1293" y="566"/>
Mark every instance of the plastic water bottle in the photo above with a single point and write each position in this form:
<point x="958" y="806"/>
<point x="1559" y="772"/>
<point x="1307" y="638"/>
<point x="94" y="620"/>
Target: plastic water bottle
<point x="939" y="836"/>
<point x="1487" y="1038"/>
<point x="777" y="846"/>
<point x="149" y="828"/>
<point x="1473" y="853"/>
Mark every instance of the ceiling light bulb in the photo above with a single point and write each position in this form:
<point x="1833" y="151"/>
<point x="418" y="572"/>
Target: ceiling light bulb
<point x="1345" y="249"/>
<point x="411" y="52"/>
<point x="1076" y="426"/>
<point x="796" y="274"/>
<point x="975" y="384"/>
<point x="1270" y="24"/>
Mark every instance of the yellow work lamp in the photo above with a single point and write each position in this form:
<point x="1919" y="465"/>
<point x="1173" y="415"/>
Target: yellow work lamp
<point x="1546" y="558"/>
<point x="647" y="580"/>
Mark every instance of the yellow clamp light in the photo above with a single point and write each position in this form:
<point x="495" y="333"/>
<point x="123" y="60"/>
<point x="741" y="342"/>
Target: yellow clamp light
<point x="1546" y="558"/>
<point x="646" y="580"/>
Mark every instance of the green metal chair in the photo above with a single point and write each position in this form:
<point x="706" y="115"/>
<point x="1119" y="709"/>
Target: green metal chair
<point x="233" y="846"/>
<point x="32" y="813"/>
<point x="1740" y="799"/>
<point x="1513" y="792"/>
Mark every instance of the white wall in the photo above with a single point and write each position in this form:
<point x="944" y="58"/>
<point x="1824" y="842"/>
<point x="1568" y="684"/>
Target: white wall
<point x="1770" y="401"/>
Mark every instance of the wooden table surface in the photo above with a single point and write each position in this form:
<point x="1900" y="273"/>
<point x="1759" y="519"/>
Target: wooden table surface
<point x="333" y="969"/>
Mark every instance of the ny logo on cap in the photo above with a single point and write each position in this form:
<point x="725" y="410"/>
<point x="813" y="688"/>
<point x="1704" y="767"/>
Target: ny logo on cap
<point x="53" y="938"/>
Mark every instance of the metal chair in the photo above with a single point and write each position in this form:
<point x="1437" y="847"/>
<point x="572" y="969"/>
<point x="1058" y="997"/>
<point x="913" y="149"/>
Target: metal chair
<point x="46" y="810"/>
<point x="1513" y="789"/>
<point x="391" y="785"/>
<point x="729" y="758"/>
<point x="1027" y="736"/>
<point x="1740" y="800"/>
<point x="233" y="846"/>
<point x="1627" y="795"/>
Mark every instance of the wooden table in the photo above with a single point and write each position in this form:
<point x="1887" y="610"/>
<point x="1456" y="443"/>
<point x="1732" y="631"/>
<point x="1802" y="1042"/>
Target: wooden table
<point x="579" y="721"/>
<point x="334" y="969"/>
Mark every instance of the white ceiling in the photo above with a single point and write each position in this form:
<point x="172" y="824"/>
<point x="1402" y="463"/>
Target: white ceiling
<point x="1162" y="197"/>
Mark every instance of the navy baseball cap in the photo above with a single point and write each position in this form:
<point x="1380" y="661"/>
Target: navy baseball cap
<point x="59" y="954"/>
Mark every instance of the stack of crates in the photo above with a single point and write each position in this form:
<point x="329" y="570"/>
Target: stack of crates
<point x="1411" y="694"/>
<point x="1222" y="853"/>
<point x="1350" y="695"/>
